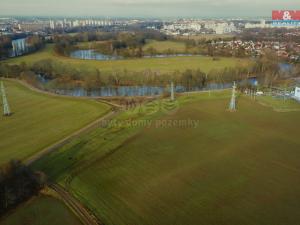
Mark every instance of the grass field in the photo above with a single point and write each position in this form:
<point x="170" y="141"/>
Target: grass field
<point x="39" y="120"/>
<point x="279" y="105"/>
<point x="231" y="169"/>
<point x="163" y="65"/>
<point x="163" y="46"/>
<point x="207" y="36"/>
<point x="41" y="210"/>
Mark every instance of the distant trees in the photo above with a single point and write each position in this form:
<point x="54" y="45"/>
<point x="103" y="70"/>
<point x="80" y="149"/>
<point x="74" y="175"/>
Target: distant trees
<point x="64" y="44"/>
<point x="5" y="46"/>
<point x="126" y="44"/>
<point x="296" y="70"/>
<point x="10" y="71"/>
<point x="267" y="34"/>
<point x="35" y="43"/>
<point x="267" y="67"/>
<point x="193" y="78"/>
<point x="17" y="184"/>
<point x="44" y="67"/>
<point x="151" y="51"/>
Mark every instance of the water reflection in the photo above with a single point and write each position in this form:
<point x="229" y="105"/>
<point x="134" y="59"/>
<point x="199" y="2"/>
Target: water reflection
<point x="286" y="67"/>
<point x="136" y="90"/>
<point x="91" y="55"/>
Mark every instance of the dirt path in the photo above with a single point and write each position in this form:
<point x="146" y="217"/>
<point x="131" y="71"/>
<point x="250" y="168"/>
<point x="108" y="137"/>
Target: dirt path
<point x="84" y="215"/>
<point x="68" y="138"/>
<point x="115" y="108"/>
<point x="99" y="99"/>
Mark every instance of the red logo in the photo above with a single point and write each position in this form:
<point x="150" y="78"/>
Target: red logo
<point x="286" y="15"/>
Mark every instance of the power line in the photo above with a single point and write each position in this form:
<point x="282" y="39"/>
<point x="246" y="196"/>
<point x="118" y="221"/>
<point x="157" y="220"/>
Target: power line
<point x="6" y="109"/>
<point x="232" y="105"/>
<point x="172" y="92"/>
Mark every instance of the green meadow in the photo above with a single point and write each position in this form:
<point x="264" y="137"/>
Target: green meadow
<point x="207" y="37"/>
<point x="226" y="168"/>
<point x="41" y="210"/>
<point x="39" y="120"/>
<point x="164" y="46"/>
<point x="163" y="65"/>
<point x="279" y="105"/>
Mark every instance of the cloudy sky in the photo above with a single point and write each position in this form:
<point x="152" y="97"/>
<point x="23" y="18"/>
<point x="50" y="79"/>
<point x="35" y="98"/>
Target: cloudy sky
<point x="146" y="8"/>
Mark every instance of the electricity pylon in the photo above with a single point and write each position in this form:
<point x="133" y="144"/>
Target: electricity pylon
<point x="172" y="92"/>
<point x="6" y="109"/>
<point x="232" y="105"/>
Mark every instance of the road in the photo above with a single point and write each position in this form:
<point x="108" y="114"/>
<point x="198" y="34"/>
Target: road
<point x="24" y="83"/>
<point x="65" y="140"/>
<point x="84" y="215"/>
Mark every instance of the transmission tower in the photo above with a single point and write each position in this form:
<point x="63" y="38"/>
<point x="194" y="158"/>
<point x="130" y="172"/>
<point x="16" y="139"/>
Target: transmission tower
<point x="172" y="92"/>
<point x="6" y="110"/>
<point x="232" y="105"/>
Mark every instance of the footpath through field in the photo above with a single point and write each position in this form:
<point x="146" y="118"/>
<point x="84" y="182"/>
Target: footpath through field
<point x="84" y="214"/>
<point x="65" y="96"/>
<point x="65" y="140"/>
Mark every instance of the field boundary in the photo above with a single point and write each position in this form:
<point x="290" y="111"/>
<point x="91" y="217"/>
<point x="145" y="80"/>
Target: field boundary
<point x="65" y="140"/>
<point x="75" y="205"/>
<point x="276" y="109"/>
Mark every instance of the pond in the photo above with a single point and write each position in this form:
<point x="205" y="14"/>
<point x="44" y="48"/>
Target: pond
<point x="92" y="55"/>
<point x="286" y="67"/>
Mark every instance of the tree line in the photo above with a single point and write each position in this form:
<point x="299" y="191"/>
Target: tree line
<point x="61" y="75"/>
<point x="126" y="44"/>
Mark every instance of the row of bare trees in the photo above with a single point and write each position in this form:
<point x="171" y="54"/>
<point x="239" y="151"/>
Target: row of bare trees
<point x="18" y="183"/>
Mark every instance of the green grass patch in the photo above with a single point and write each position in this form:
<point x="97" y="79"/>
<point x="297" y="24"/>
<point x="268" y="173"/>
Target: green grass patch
<point x="207" y="37"/>
<point x="41" y="210"/>
<point x="280" y="105"/>
<point x="233" y="168"/>
<point x="40" y="120"/>
<point x="165" y="46"/>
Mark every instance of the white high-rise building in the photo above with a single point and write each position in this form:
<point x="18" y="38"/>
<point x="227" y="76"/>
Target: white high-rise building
<point x="52" y="25"/>
<point x="75" y="23"/>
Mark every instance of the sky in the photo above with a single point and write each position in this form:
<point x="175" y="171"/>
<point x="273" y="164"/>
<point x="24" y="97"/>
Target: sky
<point x="146" y="8"/>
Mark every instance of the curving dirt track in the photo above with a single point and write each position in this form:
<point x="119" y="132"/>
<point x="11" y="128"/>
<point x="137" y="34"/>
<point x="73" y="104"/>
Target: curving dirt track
<point x="84" y="215"/>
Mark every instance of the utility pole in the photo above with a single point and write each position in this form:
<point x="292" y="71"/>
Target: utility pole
<point x="232" y="105"/>
<point x="6" y="110"/>
<point x="284" y="97"/>
<point x="172" y="92"/>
